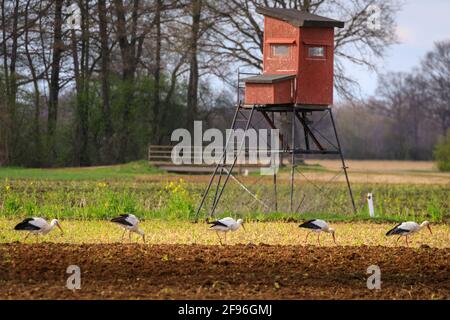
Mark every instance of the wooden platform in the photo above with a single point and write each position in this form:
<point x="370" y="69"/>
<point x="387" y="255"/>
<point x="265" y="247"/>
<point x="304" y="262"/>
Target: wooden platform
<point x="286" y="107"/>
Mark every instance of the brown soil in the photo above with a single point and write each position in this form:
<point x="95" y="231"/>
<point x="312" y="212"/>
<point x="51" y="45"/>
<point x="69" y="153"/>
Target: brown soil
<point x="212" y="272"/>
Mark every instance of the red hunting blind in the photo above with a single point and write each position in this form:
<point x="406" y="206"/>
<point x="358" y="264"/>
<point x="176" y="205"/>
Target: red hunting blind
<point x="298" y="60"/>
<point x="295" y="88"/>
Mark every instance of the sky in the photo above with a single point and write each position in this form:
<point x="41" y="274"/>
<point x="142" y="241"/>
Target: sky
<point x="419" y="25"/>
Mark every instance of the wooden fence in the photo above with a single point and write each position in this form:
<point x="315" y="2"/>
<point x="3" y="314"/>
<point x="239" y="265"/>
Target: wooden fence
<point x="161" y="156"/>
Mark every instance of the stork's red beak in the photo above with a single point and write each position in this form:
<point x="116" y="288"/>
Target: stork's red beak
<point x="60" y="228"/>
<point x="243" y="227"/>
<point x="334" y="238"/>
<point x="429" y="228"/>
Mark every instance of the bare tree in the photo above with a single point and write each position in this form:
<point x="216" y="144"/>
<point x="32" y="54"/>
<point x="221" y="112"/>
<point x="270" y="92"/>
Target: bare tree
<point x="37" y="92"/>
<point x="238" y="35"/>
<point x="82" y="76"/>
<point x="435" y="72"/>
<point x="192" y="96"/>
<point x="4" y="112"/>
<point x="105" y="66"/>
<point x="157" y="73"/>
<point x="131" y="39"/>
<point x="58" y="48"/>
<point x="10" y="44"/>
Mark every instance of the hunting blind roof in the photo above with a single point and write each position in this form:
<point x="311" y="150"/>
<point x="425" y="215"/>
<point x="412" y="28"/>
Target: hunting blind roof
<point x="300" y="18"/>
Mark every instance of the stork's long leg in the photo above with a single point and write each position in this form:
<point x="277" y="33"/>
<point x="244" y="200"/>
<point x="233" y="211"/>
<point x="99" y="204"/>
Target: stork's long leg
<point x="26" y="237"/>
<point x="398" y="240"/>
<point x="318" y="239"/>
<point x="407" y="243"/>
<point x="220" y="239"/>
<point x="306" y="240"/>
<point x="225" y="238"/>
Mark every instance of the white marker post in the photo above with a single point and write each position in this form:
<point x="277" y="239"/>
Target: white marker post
<point x="371" y="208"/>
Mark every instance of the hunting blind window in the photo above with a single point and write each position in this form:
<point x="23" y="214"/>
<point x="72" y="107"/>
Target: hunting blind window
<point x="316" y="52"/>
<point x="280" y="50"/>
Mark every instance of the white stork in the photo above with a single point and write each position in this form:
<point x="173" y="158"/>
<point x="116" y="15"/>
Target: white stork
<point x="225" y="225"/>
<point x="318" y="226"/>
<point x="130" y="223"/>
<point x="37" y="226"/>
<point x="407" y="229"/>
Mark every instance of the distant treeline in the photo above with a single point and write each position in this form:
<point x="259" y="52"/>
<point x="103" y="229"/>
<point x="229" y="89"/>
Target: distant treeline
<point x="406" y="117"/>
<point x="98" y="82"/>
<point x="87" y="82"/>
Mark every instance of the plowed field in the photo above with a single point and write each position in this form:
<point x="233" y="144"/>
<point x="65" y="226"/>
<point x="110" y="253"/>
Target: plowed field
<point x="121" y="271"/>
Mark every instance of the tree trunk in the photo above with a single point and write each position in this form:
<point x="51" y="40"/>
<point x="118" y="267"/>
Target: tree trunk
<point x="37" y="147"/>
<point x="81" y="70"/>
<point x="13" y="137"/>
<point x="126" y="48"/>
<point x="54" y="80"/>
<point x="306" y="5"/>
<point x="83" y="94"/>
<point x="155" y="125"/>
<point x="4" y="114"/>
<point x="192" y="96"/>
<point x="104" y="75"/>
<point x="9" y="113"/>
<point x="129" y="64"/>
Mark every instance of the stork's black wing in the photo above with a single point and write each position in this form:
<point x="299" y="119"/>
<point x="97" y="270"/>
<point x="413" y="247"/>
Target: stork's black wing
<point x="397" y="231"/>
<point x="25" y="225"/>
<point x="218" y="223"/>
<point x="122" y="220"/>
<point x="310" y="225"/>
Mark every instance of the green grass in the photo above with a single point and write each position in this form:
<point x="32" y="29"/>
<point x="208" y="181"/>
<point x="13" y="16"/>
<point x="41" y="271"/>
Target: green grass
<point x="125" y="171"/>
<point x="178" y="201"/>
<point x="105" y="192"/>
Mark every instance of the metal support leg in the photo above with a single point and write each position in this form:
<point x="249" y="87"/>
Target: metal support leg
<point x="308" y="132"/>
<point x="305" y="130"/>
<point x="223" y="160"/>
<point x="234" y="163"/>
<point x="344" y="166"/>
<point x="275" y="189"/>
<point x="217" y="188"/>
<point x="293" y="160"/>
